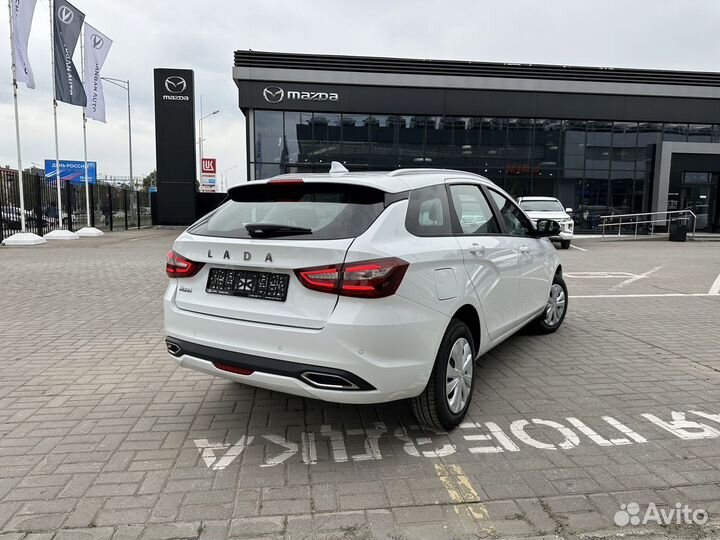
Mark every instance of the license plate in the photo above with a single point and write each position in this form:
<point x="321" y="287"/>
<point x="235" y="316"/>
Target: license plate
<point x="248" y="284"/>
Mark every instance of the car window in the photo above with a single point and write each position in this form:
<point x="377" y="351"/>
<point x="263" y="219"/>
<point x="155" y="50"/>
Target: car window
<point x="542" y="206"/>
<point x="473" y="210"/>
<point x="516" y="223"/>
<point x="428" y="212"/>
<point x="321" y="211"/>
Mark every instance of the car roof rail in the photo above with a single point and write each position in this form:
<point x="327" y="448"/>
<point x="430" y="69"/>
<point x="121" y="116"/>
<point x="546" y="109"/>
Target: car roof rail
<point x="426" y="170"/>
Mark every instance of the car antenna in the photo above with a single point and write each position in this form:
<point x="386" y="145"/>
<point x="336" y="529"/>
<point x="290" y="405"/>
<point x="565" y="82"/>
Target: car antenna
<point x="337" y="168"/>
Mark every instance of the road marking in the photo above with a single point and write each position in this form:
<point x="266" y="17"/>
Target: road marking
<point x="650" y="295"/>
<point x="599" y="275"/>
<point x="461" y="491"/>
<point x="635" y="278"/>
<point x="480" y="439"/>
<point x="575" y="247"/>
<point x="715" y="287"/>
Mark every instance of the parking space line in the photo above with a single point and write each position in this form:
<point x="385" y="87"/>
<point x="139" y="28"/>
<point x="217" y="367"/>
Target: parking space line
<point x="650" y="295"/>
<point x="575" y="247"/>
<point x="461" y="491"/>
<point x="635" y="278"/>
<point x="715" y="287"/>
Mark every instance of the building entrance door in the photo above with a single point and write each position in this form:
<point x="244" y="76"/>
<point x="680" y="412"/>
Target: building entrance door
<point x="699" y="193"/>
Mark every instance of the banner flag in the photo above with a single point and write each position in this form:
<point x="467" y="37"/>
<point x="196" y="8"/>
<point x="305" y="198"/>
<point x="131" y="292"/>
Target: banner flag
<point x="22" y="16"/>
<point x="97" y="46"/>
<point x="67" y="24"/>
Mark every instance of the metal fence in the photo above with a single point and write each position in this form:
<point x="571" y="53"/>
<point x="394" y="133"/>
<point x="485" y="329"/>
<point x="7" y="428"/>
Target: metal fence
<point x="112" y="208"/>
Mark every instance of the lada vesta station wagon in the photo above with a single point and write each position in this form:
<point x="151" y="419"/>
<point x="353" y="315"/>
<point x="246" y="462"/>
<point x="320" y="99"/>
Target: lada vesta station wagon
<point x="361" y="287"/>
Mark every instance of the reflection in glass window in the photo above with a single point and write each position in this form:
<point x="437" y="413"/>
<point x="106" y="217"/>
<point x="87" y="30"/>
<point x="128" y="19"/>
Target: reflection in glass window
<point x="649" y="136"/>
<point x="268" y="136"/>
<point x="355" y="140"/>
<point x="516" y="223"/>
<point x="326" y="138"/>
<point x="700" y="133"/>
<point x="298" y="136"/>
<point x="383" y="141"/>
<point x="546" y="145"/>
<point x="574" y="139"/>
<point x="411" y="139"/>
<point x="624" y="145"/>
<point x="267" y="170"/>
<point x="439" y="140"/>
<point x="675" y="132"/>
<point x="493" y="142"/>
<point x="597" y="153"/>
<point x="473" y="210"/>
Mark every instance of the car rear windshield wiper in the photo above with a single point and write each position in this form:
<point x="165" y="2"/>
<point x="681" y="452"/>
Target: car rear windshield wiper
<point x="270" y="229"/>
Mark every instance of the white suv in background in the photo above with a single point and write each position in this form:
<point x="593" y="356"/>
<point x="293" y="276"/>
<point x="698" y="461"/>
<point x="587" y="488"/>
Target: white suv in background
<point x="550" y="208"/>
<point x="361" y="287"/>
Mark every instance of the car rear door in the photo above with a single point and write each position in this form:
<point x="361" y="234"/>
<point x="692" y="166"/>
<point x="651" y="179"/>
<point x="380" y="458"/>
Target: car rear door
<point x="491" y="258"/>
<point x="534" y="284"/>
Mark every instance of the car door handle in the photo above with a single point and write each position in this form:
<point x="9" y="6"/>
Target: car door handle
<point x="477" y="249"/>
<point x="524" y="249"/>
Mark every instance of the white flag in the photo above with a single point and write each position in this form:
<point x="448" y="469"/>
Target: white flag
<point x="97" y="46"/>
<point x="22" y="16"/>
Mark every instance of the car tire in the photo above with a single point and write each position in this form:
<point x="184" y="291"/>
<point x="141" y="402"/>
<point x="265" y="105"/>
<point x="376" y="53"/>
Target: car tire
<point x="440" y="408"/>
<point x="553" y="315"/>
<point x="565" y="244"/>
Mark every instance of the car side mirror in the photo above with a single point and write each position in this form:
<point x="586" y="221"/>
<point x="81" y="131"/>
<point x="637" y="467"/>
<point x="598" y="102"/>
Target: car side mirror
<point x="568" y="210"/>
<point x="547" y="227"/>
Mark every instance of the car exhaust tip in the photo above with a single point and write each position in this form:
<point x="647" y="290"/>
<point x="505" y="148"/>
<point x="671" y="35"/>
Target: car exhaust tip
<point x="173" y="348"/>
<point x="328" y="381"/>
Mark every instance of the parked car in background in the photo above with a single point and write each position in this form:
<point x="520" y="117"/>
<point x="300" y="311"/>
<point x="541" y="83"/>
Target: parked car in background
<point x="361" y="287"/>
<point x="11" y="217"/>
<point x="550" y="208"/>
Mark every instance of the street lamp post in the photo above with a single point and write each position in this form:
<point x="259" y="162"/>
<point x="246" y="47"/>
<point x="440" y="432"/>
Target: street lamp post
<point x="225" y="175"/>
<point x="201" y="139"/>
<point x="125" y="85"/>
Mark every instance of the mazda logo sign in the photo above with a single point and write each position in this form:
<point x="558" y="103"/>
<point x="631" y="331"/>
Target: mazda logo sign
<point x="97" y="41"/>
<point x="175" y="85"/>
<point x="273" y="94"/>
<point x="65" y="14"/>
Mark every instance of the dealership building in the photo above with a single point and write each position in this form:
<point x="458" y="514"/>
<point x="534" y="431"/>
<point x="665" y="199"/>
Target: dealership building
<point x="601" y="140"/>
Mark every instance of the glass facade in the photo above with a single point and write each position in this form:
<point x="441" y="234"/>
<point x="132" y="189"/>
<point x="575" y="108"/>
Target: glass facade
<point x="595" y="167"/>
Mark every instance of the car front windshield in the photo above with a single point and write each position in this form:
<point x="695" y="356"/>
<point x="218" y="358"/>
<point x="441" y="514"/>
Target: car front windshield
<point x="541" y="206"/>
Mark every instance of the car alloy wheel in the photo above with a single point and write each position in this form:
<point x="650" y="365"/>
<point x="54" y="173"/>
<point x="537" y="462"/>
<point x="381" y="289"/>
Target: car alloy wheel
<point x="458" y="375"/>
<point x="556" y="305"/>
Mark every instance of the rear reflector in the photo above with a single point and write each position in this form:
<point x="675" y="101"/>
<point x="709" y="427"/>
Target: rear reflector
<point x="233" y="369"/>
<point x="375" y="278"/>
<point x="178" y="266"/>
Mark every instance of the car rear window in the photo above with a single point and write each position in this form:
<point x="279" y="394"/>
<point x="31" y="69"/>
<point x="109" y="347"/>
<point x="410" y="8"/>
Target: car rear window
<point x="315" y="211"/>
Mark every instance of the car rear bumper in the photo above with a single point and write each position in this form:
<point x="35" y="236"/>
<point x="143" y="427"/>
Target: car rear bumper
<point x="385" y="347"/>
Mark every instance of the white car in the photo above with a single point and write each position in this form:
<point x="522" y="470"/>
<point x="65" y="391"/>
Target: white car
<point x="550" y="208"/>
<point x="361" y="287"/>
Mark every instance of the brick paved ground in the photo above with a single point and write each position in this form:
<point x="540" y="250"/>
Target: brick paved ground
<point x="101" y="436"/>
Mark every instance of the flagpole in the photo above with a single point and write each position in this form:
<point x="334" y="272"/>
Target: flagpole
<point x="55" y="122"/>
<point x="17" y="120"/>
<point x="87" y="183"/>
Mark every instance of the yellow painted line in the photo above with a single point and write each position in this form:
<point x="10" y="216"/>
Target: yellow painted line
<point x="461" y="491"/>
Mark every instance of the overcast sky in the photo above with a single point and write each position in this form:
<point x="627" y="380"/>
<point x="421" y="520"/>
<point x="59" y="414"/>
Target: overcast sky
<point x="661" y="34"/>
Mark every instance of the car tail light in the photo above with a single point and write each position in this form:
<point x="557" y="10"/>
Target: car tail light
<point x="179" y="267"/>
<point x="376" y="278"/>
